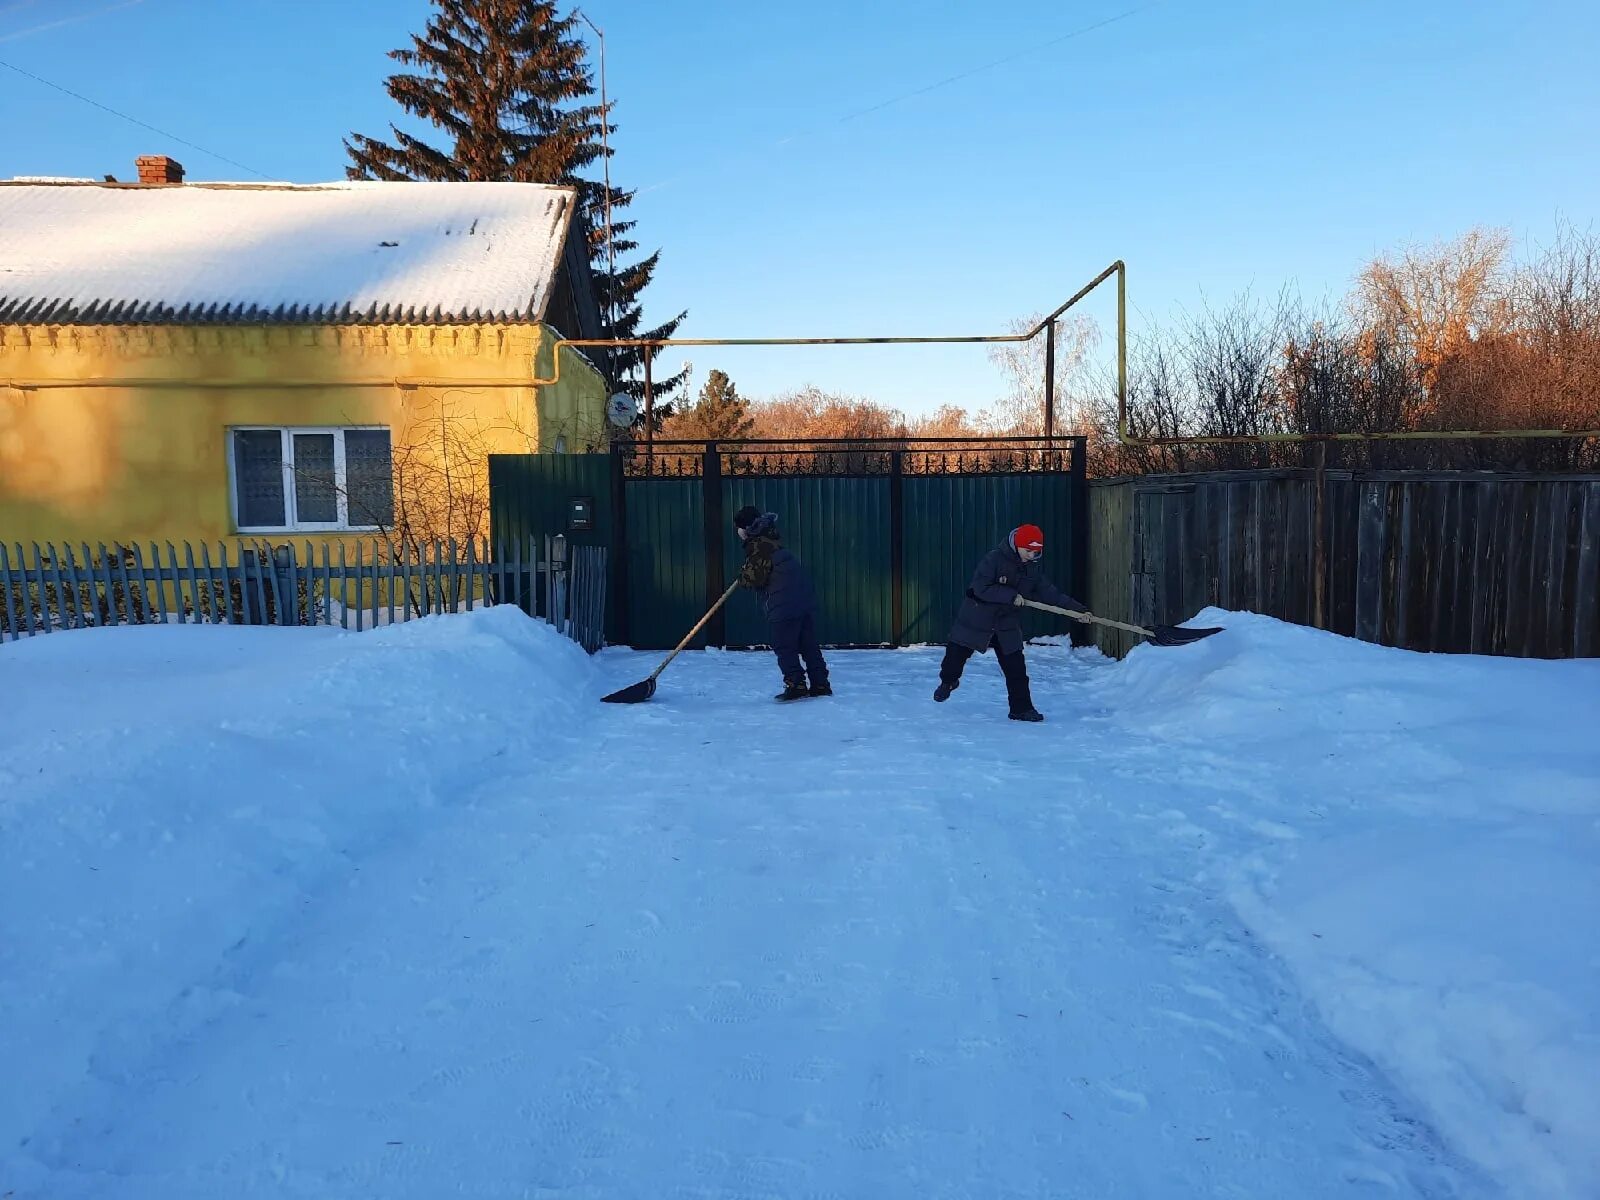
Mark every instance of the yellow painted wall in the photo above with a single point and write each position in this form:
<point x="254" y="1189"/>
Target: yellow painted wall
<point x="144" y="455"/>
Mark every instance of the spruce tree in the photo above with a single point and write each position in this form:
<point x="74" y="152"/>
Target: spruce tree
<point x="508" y="82"/>
<point x="719" y="413"/>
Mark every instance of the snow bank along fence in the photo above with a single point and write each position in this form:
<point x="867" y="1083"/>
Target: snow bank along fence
<point x="357" y="584"/>
<point x="888" y="528"/>
<point x="1481" y="563"/>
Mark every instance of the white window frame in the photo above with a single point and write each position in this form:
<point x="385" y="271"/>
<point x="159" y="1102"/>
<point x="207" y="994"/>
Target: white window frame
<point x="286" y="434"/>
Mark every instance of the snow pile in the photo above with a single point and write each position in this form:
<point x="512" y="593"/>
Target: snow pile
<point x="172" y="798"/>
<point x="1429" y="870"/>
<point x="1462" y="962"/>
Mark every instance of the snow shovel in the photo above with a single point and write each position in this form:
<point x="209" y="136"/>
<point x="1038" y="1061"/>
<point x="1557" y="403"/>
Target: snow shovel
<point x="638" y="693"/>
<point x="1161" y="635"/>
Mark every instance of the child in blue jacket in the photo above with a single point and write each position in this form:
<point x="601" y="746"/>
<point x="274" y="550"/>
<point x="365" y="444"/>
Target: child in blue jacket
<point x="787" y="598"/>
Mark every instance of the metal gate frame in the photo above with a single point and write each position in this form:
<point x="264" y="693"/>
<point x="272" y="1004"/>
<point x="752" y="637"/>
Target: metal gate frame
<point x="890" y="459"/>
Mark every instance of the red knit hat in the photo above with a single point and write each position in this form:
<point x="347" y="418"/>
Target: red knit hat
<point x="1027" y="537"/>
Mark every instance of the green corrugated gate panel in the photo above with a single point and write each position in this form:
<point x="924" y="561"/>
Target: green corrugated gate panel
<point x="666" y="561"/>
<point x="839" y="528"/>
<point x="530" y="496"/>
<point x="531" y="493"/>
<point x="951" y="521"/>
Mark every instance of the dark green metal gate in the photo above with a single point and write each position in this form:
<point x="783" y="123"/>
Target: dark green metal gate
<point x="889" y="531"/>
<point x="839" y="527"/>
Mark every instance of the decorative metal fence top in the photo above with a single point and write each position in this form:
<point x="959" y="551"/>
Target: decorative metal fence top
<point x="678" y="459"/>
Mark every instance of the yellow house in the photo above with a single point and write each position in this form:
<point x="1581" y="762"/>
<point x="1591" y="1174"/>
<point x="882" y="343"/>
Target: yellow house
<point x="201" y="361"/>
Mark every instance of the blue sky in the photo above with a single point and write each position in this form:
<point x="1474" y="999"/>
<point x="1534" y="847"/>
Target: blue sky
<point x="1215" y="146"/>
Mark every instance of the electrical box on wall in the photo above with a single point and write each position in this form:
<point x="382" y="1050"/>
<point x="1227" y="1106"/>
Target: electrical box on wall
<point x="580" y="514"/>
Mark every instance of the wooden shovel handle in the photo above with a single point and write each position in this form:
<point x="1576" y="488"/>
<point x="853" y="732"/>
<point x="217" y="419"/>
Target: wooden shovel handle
<point x="698" y="626"/>
<point x="1089" y="618"/>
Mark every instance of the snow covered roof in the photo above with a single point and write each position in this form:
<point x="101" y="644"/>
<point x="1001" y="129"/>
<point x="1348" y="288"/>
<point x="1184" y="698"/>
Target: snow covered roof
<point x="338" y="253"/>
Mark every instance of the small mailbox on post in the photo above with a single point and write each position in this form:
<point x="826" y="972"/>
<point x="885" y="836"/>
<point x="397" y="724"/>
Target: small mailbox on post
<point x="580" y="514"/>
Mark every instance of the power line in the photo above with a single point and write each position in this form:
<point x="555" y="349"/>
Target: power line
<point x="133" y="120"/>
<point x="945" y="82"/>
<point x="999" y="62"/>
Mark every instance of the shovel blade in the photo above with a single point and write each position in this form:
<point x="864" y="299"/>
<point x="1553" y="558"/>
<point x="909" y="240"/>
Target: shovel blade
<point x="1177" y="635"/>
<point x="634" y="693"/>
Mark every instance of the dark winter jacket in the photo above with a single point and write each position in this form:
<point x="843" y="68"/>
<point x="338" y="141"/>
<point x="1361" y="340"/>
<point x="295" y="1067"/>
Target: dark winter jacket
<point x="777" y="576"/>
<point x="990" y="612"/>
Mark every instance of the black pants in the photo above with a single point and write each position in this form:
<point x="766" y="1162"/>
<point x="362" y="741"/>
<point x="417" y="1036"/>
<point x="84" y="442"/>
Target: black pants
<point x="1013" y="666"/>
<point x="795" y="639"/>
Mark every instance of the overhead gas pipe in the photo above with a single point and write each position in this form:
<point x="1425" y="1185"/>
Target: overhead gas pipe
<point x="1047" y="326"/>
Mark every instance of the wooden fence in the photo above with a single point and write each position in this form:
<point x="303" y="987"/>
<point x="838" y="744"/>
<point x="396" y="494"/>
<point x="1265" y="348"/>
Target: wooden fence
<point x="1502" y="563"/>
<point x="356" y="585"/>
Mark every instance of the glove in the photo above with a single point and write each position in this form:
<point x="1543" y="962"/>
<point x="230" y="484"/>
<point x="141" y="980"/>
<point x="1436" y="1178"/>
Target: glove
<point x="1017" y="600"/>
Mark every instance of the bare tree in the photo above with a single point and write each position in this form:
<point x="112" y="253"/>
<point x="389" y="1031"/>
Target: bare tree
<point x="1160" y="405"/>
<point x="810" y="413"/>
<point x="441" y="478"/>
<point x="1020" y="412"/>
<point x="439" y="484"/>
<point x="1437" y="298"/>
<point x="1335" y="379"/>
<point x="1232" y="358"/>
<point x="947" y="421"/>
<point x="1555" y="302"/>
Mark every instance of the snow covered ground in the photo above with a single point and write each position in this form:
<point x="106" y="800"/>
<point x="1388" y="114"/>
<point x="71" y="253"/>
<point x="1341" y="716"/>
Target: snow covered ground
<point x="306" y="913"/>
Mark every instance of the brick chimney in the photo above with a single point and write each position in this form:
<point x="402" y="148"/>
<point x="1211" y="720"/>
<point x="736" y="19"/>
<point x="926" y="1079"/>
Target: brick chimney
<point x="158" y="168"/>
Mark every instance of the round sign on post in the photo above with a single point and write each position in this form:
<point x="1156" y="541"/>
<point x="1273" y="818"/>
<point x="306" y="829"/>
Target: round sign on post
<point x="622" y="409"/>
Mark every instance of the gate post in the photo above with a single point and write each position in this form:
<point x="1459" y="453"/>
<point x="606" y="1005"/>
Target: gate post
<point x="711" y="507"/>
<point x="1079" y="493"/>
<point x="897" y="546"/>
<point x="619" y="544"/>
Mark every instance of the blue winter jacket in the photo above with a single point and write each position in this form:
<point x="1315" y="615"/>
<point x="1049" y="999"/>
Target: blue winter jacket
<point x="777" y="576"/>
<point x="989" y="615"/>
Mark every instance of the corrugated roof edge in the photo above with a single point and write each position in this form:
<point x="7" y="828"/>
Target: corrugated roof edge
<point x="50" y="312"/>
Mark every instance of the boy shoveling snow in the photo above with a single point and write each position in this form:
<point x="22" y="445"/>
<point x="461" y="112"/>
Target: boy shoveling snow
<point x="1006" y="576"/>
<point x="787" y="598"/>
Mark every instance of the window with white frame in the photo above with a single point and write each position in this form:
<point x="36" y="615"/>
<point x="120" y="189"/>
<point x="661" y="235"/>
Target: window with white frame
<point x="311" y="478"/>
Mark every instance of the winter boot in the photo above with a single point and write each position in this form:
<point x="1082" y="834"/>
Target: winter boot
<point x="822" y="688"/>
<point x="942" y="692"/>
<point x="1019" y="699"/>
<point x="794" y="688"/>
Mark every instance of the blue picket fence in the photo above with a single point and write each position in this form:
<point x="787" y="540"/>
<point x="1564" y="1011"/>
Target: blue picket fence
<point x="353" y="584"/>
